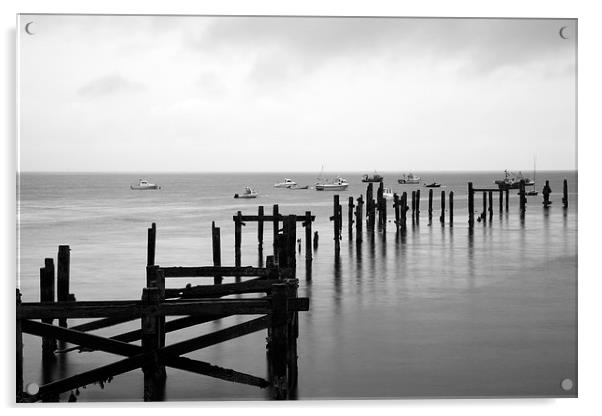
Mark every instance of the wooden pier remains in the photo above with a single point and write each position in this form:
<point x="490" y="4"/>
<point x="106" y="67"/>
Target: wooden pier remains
<point x="350" y="218"/>
<point x="359" y="219"/>
<point x="337" y="220"/>
<point x="451" y="208"/>
<point x="276" y="219"/>
<point x="430" y="205"/>
<point x="442" y="217"/>
<point x="370" y="206"/>
<point x="189" y="306"/>
<point x="565" y="194"/>
<point x="546" y="191"/>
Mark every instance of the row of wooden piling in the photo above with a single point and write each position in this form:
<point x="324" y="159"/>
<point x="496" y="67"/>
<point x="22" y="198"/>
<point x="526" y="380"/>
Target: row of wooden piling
<point x="378" y="208"/>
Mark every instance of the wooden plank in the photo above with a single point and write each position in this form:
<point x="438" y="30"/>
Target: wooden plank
<point x="80" y="338"/>
<point x="210" y="271"/>
<point x="233" y="306"/>
<point x="98" y="309"/>
<point x="88" y="377"/>
<point x="249" y="286"/>
<point x="206" y="369"/>
<point x="487" y="190"/>
<point x="100" y="323"/>
<point x="47" y="285"/>
<point x="217" y="337"/>
<point x="269" y="218"/>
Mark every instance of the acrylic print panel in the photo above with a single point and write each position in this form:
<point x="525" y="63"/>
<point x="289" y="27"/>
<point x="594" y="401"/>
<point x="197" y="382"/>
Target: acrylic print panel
<point x="258" y="208"/>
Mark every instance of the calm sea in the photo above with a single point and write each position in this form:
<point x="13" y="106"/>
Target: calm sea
<point x="435" y="312"/>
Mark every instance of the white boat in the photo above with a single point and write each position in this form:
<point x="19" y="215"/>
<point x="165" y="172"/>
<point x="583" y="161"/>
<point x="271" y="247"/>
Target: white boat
<point x="286" y="184"/>
<point x="340" y="184"/>
<point x="409" y="179"/>
<point x="144" y="185"/>
<point x="388" y="193"/>
<point x="512" y="181"/>
<point x="249" y="193"/>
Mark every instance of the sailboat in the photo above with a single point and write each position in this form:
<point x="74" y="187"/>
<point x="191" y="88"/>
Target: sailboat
<point x="533" y="192"/>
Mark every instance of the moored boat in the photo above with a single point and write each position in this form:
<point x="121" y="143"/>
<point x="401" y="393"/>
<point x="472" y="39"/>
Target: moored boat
<point x="433" y="185"/>
<point x="409" y="179"/>
<point x="249" y="193"/>
<point x="372" y="178"/>
<point x="340" y="184"/>
<point x="286" y="184"/>
<point x="512" y="181"/>
<point x="144" y="185"/>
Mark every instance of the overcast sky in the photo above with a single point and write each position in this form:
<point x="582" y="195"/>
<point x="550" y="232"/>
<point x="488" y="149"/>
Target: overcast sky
<point x="139" y="94"/>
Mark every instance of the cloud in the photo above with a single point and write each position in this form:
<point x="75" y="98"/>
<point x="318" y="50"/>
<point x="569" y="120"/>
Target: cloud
<point x="109" y="85"/>
<point x="311" y="42"/>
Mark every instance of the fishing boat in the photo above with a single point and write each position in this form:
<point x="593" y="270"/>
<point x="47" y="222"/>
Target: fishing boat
<point x="372" y="178"/>
<point x="512" y="181"/>
<point x="433" y="185"/>
<point x="144" y="185"/>
<point x="339" y="184"/>
<point x="286" y="184"/>
<point x="388" y="193"/>
<point x="297" y="187"/>
<point x="249" y="193"/>
<point x="409" y="179"/>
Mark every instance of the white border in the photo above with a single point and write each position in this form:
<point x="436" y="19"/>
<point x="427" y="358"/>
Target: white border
<point x="590" y="206"/>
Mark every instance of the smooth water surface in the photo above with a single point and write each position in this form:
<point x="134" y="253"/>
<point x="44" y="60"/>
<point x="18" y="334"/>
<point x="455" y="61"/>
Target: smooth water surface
<point x="436" y="311"/>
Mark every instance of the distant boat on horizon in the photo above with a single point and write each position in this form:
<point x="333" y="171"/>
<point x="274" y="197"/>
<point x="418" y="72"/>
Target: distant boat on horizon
<point x="144" y="185"/>
<point x="372" y="178"/>
<point x="286" y="184"/>
<point x="409" y="179"/>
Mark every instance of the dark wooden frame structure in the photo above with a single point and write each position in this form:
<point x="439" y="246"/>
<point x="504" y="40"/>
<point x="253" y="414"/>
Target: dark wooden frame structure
<point x="191" y="305"/>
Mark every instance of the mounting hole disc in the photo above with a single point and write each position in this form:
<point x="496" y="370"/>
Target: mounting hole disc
<point x="566" y="384"/>
<point x="32" y="388"/>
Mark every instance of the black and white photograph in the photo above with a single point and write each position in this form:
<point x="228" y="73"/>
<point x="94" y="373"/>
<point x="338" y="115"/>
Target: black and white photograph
<point x="259" y="208"/>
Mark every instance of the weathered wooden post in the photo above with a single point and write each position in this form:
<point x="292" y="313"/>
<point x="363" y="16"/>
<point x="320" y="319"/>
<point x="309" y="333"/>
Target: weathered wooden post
<point x="404" y="210"/>
<point x="155" y="278"/>
<point x="396" y="208"/>
<point x="335" y="220"/>
<point x="370" y="207"/>
<point x="442" y="217"/>
<point x="546" y="191"/>
<point x="150" y="246"/>
<point x="359" y="219"/>
<point x="47" y="295"/>
<point x="217" y="251"/>
<point x="379" y="203"/>
<point x="413" y="206"/>
<point x="565" y="194"/>
<point x="237" y="238"/>
<point x="507" y="196"/>
<point x="19" y="354"/>
<point x="350" y="218"/>
<point x="260" y="227"/>
<point x="150" y="344"/>
<point x="293" y="334"/>
<point x="279" y="341"/>
<point x="275" y="221"/>
<point x="62" y="278"/>
<point x="417" y="205"/>
<point x="307" y="225"/>
<point x="470" y="205"/>
<point x="490" y="205"/>
<point x="501" y="207"/>
<point x="430" y="205"/>
<point x="484" y="213"/>
<point x="523" y="197"/>
<point x="451" y="208"/>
